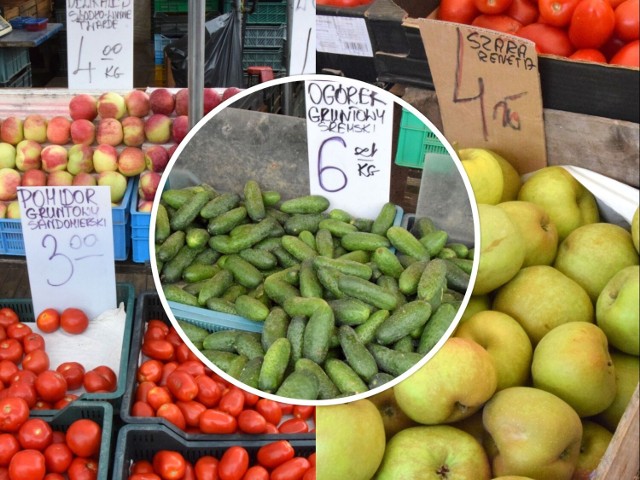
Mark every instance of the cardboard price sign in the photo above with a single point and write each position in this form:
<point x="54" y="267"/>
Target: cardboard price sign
<point x="100" y="44"/>
<point x="488" y="87"/>
<point x="68" y="240"/>
<point x="302" y="20"/>
<point x="349" y="128"/>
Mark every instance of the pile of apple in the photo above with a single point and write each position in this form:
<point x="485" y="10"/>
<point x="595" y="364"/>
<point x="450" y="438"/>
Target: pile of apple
<point x="541" y="367"/>
<point x="104" y="140"/>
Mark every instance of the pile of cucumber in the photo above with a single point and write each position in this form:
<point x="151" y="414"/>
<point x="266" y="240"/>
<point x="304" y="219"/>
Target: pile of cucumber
<point x="346" y="303"/>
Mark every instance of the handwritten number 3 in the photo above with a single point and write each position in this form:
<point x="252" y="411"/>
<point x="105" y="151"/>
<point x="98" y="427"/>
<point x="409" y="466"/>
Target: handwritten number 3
<point x="59" y="256"/>
<point x="322" y="170"/>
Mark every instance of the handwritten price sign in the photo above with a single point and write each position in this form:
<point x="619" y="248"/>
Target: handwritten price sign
<point x="349" y="128"/>
<point x="302" y="52"/>
<point x="100" y="44"/>
<point x="68" y="239"/>
<point x="488" y="88"/>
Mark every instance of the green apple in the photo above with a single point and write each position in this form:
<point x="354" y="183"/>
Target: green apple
<point x="485" y="174"/>
<point x="512" y="477"/>
<point x="350" y="441"/>
<point x="635" y="229"/>
<point x="433" y="452"/>
<point x="617" y="310"/>
<point x="595" y="440"/>
<point x="477" y="303"/>
<point x="507" y="343"/>
<point x="594" y="253"/>
<point x="451" y="386"/>
<point x="568" y="203"/>
<point x="531" y="433"/>
<point x="572" y="361"/>
<point x="511" y="179"/>
<point x="7" y="155"/>
<point x="472" y="425"/>
<point x="540" y="298"/>
<point x="627" y="368"/>
<point x="393" y="418"/>
<point x="502" y="249"/>
<point x="538" y="231"/>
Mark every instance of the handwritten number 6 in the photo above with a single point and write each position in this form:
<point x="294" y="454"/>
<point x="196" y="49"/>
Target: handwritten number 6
<point x="54" y="255"/>
<point x="322" y="170"/>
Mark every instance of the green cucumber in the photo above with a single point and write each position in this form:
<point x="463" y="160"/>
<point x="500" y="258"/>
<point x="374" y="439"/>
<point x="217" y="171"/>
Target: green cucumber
<point x="309" y="284"/>
<point x="297" y="248"/>
<point x="227" y="221"/>
<point x="410" y="276"/>
<point x="348" y="267"/>
<point x="274" y="365"/>
<point x="261" y="259"/>
<point x="434" y="241"/>
<point x="219" y="205"/>
<point x="304" y="221"/>
<point x="436" y="327"/>
<point x="305" y="204"/>
<point x="457" y="278"/>
<point x="275" y="326"/>
<point x="433" y="282"/>
<point x="188" y="212"/>
<point x="385" y="219"/>
<point x="406" y="243"/>
<point x="196" y="272"/>
<point x="403" y="321"/>
<point x="336" y="227"/>
<point x="295" y="335"/>
<point x="387" y="262"/>
<point x="215" y="286"/>
<point x="324" y="243"/>
<point x="350" y="311"/>
<point x="223" y="340"/>
<point x="392" y="361"/>
<point x="364" y="241"/>
<point x="193" y="332"/>
<point x="163" y="228"/>
<point x="317" y="334"/>
<point x="356" y="354"/>
<point x="299" y="384"/>
<point x="243" y="272"/>
<point x="368" y="292"/>
<point x="249" y="345"/>
<point x="253" y="200"/>
<point x="326" y="388"/>
<point x="343" y="376"/>
<point x="171" y="246"/>
<point x="251" y="308"/>
<point x="250" y="373"/>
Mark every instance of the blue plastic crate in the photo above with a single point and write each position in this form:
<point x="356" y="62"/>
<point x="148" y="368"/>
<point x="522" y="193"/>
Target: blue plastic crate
<point x="12" y="61"/>
<point x="415" y="140"/>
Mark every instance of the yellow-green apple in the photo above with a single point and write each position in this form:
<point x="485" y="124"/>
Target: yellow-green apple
<point x="595" y="440"/>
<point x="34" y="178"/>
<point x="7" y="155"/>
<point x="12" y="130"/>
<point x="162" y="101"/>
<point x="105" y="158"/>
<point x="507" y="343"/>
<point x="540" y="298"/>
<point x="116" y="181"/>
<point x="156" y="158"/>
<point x="3" y="210"/>
<point x="502" y="249"/>
<point x="137" y="103"/>
<point x="59" y="130"/>
<point x="211" y="99"/>
<point x="512" y="477"/>
<point x="84" y="106"/>
<point x="568" y="203"/>
<point x="538" y="231"/>
<point x="635" y="229"/>
<point x="179" y="128"/>
<point x="182" y="102"/>
<point x="452" y="385"/>
<point x="437" y="451"/>
<point x="59" y="178"/>
<point x="594" y="253"/>
<point x="111" y="105"/>
<point x="627" y="368"/>
<point x="485" y="174"/>
<point x="131" y="161"/>
<point x="9" y="183"/>
<point x="109" y="132"/>
<point x="572" y="361"/>
<point x="35" y="128"/>
<point x="54" y="157"/>
<point x="338" y="429"/>
<point x="28" y="155"/>
<point x="84" y="179"/>
<point x="80" y="159"/>
<point x="82" y="131"/>
<point x="393" y="418"/>
<point x="617" y="310"/>
<point x="531" y="433"/>
<point x="148" y="184"/>
<point x="157" y="128"/>
<point x="511" y="179"/>
<point x="473" y="426"/>
<point x="477" y="303"/>
<point x="133" y="131"/>
<point x="13" y="210"/>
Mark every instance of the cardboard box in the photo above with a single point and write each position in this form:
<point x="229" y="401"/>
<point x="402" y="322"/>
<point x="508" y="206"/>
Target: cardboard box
<point x="10" y="12"/>
<point x="43" y="9"/>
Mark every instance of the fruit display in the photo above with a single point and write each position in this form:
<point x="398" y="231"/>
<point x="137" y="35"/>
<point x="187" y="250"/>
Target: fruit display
<point x="537" y="374"/>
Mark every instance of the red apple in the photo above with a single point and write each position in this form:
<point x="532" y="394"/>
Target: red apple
<point x="156" y="158"/>
<point x="84" y="106"/>
<point x="162" y="101"/>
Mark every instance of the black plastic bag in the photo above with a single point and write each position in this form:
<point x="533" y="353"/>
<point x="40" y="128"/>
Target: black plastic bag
<point x="222" y="54"/>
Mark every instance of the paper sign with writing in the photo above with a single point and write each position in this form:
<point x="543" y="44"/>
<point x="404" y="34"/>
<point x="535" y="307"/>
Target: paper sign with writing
<point x="302" y="46"/>
<point x="488" y="88"/>
<point x="68" y="241"/>
<point x="349" y="127"/>
<point x="100" y="44"/>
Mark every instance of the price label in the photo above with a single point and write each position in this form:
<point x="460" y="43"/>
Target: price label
<point x="488" y="88"/>
<point x="302" y="51"/>
<point x="349" y="134"/>
<point x="68" y="240"/>
<point x="100" y="44"/>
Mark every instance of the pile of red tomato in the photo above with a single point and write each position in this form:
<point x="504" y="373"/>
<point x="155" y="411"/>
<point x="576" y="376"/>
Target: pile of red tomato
<point x="172" y="383"/>
<point x="274" y="461"/>
<point x="604" y="31"/>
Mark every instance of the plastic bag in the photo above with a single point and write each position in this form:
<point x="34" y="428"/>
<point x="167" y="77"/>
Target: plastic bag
<point x="222" y="54"/>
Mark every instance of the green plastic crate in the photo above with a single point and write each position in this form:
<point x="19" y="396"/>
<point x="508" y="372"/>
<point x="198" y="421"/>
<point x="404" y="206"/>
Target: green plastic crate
<point x="12" y="61"/>
<point x="180" y="6"/>
<point x="415" y="140"/>
<point x="264" y="13"/>
<point x="264" y="57"/>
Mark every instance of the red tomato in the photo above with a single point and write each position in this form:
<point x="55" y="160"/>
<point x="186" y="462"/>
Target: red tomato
<point x="48" y="320"/>
<point x="592" y="24"/>
<point x="270" y="410"/>
<point x="174" y="338"/>
<point x="64" y="401"/>
<point x="73" y="320"/>
<point x="275" y="453"/>
<point x="154" y="332"/>
<point x="293" y="425"/>
<point x="35" y="433"/>
<point x="73" y="373"/>
<point x="158" y="349"/>
<point x="8" y="316"/>
<point x="141" y="466"/>
<point x="303" y="411"/>
<point x="184" y="354"/>
<point x="182" y="385"/>
<point x="233" y="464"/>
<point x="3" y="333"/>
<point x="18" y="330"/>
<point x="51" y="386"/>
<point x="142" y="409"/>
<point x="158" y="396"/>
<point x="7" y="370"/>
<point x="153" y="323"/>
<point x="232" y="401"/>
<point x="21" y="390"/>
<point x="548" y="39"/>
<point x="191" y="410"/>
<point x="217" y="421"/>
<point x="498" y="23"/>
<point x="42" y="405"/>
<point x="627" y="20"/>
<point x="33" y="341"/>
<point x="189" y="472"/>
<point x="293" y="469"/>
<point x="142" y="389"/>
<point x="144" y="476"/>
<point x="13" y="413"/>
<point x="312" y="459"/>
<point x="36" y="361"/>
<point x="172" y="413"/>
<point x="492" y="7"/>
<point x="11" y="349"/>
<point x="100" y="379"/>
<point x="209" y="391"/>
<point x="257" y="472"/>
<point x="192" y="367"/>
<point x="167" y="369"/>
<point x="250" y="399"/>
<point x="24" y="376"/>
<point x="270" y="428"/>
<point x="628" y="55"/>
<point x="557" y="12"/>
<point x="149" y="370"/>
<point x="206" y="468"/>
<point x="83" y="437"/>
<point x="250" y="421"/>
<point x="83" y="469"/>
<point x="286" y="408"/>
<point x="54" y="476"/>
<point x="169" y="464"/>
<point x="310" y="474"/>
<point x="458" y="11"/>
<point x="9" y="445"/>
<point x="588" y="55"/>
<point x="58" y="457"/>
<point x="343" y="3"/>
<point x="27" y="464"/>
